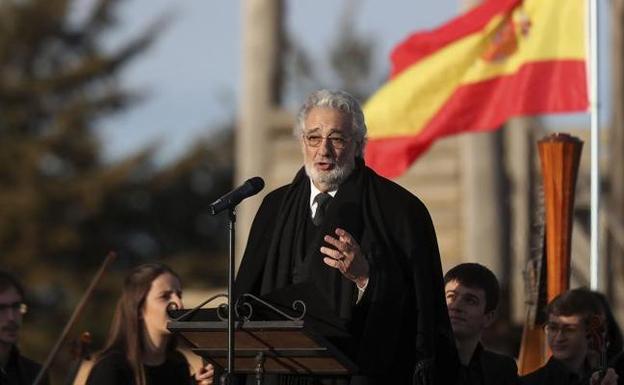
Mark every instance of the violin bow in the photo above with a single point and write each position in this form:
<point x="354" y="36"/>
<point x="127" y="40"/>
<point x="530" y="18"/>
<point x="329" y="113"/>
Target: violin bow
<point x="74" y="317"/>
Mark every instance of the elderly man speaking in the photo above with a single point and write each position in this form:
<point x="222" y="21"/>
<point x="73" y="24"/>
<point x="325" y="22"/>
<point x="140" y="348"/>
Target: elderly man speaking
<point x="366" y="244"/>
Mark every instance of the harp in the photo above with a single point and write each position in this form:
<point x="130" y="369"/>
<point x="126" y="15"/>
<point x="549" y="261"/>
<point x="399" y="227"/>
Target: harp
<point x="548" y="276"/>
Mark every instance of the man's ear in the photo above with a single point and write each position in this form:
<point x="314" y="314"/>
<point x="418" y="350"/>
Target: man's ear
<point x="489" y="318"/>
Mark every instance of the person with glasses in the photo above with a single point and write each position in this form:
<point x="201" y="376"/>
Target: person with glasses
<point x="14" y="367"/>
<point x="568" y="336"/>
<point x="472" y="294"/>
<point x="366" y="245"/>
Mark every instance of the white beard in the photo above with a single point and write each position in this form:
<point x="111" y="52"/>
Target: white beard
<point x="331" y="179"/>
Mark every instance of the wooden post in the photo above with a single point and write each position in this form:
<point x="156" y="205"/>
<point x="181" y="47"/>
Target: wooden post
<point x="521" y="178"/>
<point x="483" y="222"/>
<point x="615" y="200"/>
<point x="262" y="27"/>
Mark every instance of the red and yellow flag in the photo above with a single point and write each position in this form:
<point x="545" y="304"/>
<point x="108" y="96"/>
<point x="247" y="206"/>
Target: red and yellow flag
<point x="502" y="59"/>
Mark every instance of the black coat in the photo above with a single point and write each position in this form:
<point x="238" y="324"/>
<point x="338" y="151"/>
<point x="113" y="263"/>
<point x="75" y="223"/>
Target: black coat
<point x="488" y="368"/>
<point x="401" y="326"/>
<point x="498" y="369"/>
<point x="556" y="373"/>
<point x="553" y="373"/>
<point x="20" y="370"/>
<point x="113" y="368"/>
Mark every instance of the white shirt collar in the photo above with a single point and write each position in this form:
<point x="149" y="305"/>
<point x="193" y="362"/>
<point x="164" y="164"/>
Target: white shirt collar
<point x="313" y="193"/>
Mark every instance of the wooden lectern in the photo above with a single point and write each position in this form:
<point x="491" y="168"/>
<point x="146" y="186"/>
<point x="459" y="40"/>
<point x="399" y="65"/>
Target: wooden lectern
<point x="272" y="341"/>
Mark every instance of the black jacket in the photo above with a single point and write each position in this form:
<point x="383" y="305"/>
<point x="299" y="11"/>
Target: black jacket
<point x="402" y="324"/>
<point x="498" y="369"/>
<point x="20" y="370"/>
<point x="553" y="373"/>
<point x="113" y="368"/>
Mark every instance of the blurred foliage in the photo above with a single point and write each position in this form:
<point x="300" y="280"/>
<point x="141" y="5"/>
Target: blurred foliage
<point x="61" y="207"/>
<point x="347" y="64"/>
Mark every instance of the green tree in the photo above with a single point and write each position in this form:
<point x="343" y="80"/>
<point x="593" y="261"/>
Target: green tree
<point x="61" y="207"/>
<point x="55" y="82"/>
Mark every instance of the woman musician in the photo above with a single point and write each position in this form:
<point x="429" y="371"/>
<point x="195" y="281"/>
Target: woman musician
<point x="140" y="349"/>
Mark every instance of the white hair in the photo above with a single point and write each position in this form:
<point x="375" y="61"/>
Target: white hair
<point x="340" y="101"/>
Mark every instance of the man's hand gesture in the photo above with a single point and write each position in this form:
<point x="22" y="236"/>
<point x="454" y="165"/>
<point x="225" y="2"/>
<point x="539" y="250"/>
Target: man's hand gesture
<point x="347" y="257"/>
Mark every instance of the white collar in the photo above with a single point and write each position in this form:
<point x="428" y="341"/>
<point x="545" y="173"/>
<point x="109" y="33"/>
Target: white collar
<point x="314" y="192"/>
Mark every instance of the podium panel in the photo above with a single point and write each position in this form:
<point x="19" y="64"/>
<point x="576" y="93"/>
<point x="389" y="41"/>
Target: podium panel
<point x="280" y="347"/>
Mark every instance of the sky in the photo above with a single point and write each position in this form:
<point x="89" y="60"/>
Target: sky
<point x="191" y="75"/>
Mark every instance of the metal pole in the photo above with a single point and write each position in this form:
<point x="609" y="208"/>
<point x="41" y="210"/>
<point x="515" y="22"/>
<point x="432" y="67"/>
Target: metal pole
<point x="228" y="377"/>
<point x="595" y="264"/>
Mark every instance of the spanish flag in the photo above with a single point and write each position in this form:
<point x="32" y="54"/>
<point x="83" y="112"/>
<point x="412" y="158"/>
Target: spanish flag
<point x="504" y="58"/>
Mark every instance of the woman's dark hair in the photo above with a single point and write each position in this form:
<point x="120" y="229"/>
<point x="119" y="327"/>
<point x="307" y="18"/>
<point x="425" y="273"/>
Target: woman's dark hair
<point x="126" y="328"/>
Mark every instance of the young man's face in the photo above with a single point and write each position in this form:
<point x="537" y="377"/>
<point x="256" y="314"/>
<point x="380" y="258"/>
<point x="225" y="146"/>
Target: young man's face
<point x="466" y="308"/>
<point x="567" y="337"/>
<point x="10" y="316"/>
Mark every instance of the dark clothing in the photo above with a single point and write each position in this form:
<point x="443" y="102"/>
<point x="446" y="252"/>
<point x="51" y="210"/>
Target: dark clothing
<point x="113" y="368"/>
<point x="554" y="373"/>
<point x="616" y="361"/>
<point x="488" y="368"/>
<point x="400" y="328"/>
<point x="20" y="370"/>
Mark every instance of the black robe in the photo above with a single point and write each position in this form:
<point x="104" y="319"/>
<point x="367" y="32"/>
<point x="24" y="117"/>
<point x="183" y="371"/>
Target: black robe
<point x="401" y="327"/>
<point x="113" y="368"/>
<point x="489" y="368"/>
<point x="20" y="370"/>
<point x="554" y="373"/>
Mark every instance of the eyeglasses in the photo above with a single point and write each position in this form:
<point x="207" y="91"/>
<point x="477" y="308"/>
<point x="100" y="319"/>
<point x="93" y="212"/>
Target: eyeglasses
<point x="337" y="142"/>
<point x="552" y="328"/>
<point x="18" y="307"/>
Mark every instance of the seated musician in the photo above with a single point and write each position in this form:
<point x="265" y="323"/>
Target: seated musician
<point x="568" y="335"/>
<point x="14" y="368"/>
<point x="472" y="293"/>
<point x="140" y="349"/>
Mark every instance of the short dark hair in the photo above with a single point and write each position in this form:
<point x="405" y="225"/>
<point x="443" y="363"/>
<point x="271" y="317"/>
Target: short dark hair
<point x="8" y="280"/>
<point x="581" y="302"/>
<point x="477" y="276"/>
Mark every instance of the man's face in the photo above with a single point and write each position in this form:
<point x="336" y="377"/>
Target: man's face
<point x="567" y="337"/>
<point x="328" y="147"/>
<point x="466" y="308"/>
<point x="10" y="316"/>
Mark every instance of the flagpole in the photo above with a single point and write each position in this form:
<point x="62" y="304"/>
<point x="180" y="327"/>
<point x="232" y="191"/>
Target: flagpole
<point x="595" y="148"/>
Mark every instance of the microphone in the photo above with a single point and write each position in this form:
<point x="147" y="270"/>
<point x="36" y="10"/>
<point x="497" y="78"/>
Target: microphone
<point x="249" y="188"/>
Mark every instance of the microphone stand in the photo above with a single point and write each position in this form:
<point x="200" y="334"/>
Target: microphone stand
<point x="227" y="378"/>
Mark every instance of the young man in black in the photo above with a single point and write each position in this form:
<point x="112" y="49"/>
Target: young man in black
<point x="472" y="293"/>
<point x="15" y="369"/>
<point x="568" y="334"/>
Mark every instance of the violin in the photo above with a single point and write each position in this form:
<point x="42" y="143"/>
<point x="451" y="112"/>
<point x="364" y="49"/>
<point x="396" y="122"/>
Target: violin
<point x="81" y="350"/>
<point x="597" y="344"/>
